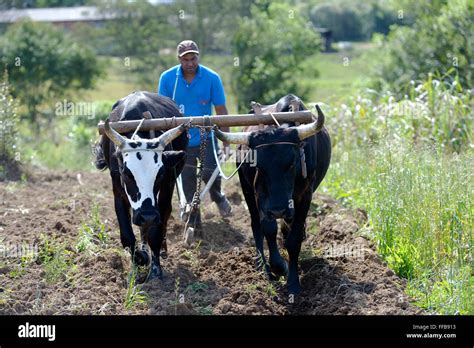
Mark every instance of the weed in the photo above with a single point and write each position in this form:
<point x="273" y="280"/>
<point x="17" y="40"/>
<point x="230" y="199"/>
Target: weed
<point x="135" y="295"/>
<point x="92" y="234"/>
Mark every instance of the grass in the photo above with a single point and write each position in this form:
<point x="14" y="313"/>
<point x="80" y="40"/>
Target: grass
<point x="55" y="259"/>
<point x="197" y="287"/>
<point x="117" y="83"/>
<point x="135" y="296"/>
<point x="22" y="267"/>
<point x="207" y="310"/>
<point x="340" y="74"/>
<point x="270" y="290"/>
<point x="420" y="208"/>
<point x="58" y="146"/>
<point x="416" y="185"/>
<point x="192" y="254"/>
<point x="92" y="233"/>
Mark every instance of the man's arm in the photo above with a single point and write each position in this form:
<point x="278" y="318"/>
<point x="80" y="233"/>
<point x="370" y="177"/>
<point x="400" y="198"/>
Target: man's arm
<point x="218" y="99"/>
<point x="222" y="110"/>
<point x="162" y="90"/>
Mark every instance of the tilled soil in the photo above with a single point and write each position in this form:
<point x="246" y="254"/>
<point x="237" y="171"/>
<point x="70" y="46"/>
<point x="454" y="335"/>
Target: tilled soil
<point x="339" y="270"/>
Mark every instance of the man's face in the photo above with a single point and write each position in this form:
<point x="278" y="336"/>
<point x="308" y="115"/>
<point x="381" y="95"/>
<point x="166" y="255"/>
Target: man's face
<point x="189" y="63"/>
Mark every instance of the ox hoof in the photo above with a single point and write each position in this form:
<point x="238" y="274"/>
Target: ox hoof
<point x="189" y="236"/>
<point x="270" y="274"/>
<point x="279" y="269"/>
<point x="141" y="258"/>
<point x="156" y="272"/>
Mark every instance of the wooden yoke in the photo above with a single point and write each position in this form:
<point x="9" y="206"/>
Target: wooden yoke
<point x="147" y="116"/>
<point x="304" y="116"/>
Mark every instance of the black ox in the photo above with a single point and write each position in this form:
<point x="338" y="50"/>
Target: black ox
<point x="279" y="186"/>
<point x="143" y="172"/>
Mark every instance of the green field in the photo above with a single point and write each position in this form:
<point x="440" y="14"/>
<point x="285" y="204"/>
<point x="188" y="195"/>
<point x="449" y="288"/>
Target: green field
<point x="117" y="83"/>
<point x="340" y="73"/>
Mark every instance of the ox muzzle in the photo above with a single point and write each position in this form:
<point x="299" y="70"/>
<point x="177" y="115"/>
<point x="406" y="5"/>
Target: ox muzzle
<point x="147" y="214"/>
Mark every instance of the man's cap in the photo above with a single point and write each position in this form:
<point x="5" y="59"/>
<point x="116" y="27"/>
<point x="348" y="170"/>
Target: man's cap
<point x="187" y="46"/>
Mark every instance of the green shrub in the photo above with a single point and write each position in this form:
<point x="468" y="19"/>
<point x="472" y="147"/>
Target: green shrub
<point x="355" y="21"/>
<point x="408" y="163"/>
<point x="269" y="49"/>
<point x="44" y="65"/>
<point x="9" y="154"/>
<point x="440" y="41"/>
<point x="56" y="260"/>
<point x="433" y="113"/>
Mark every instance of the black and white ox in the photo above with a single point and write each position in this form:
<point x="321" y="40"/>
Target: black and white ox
<point x="279" y="186"/>
<point x="143" y="172"/>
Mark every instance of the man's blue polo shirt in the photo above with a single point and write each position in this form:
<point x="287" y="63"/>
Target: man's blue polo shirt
<point x="195" y="98"/>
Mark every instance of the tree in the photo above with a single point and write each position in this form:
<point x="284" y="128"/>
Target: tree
<point x="138" y="33"/>
<point x="44" y="65"/>
<point x="146" y="35"/>
<point x="210" y="23"/>
<point x="269" y="48"/>
<point x="352" y="21"/>
<point x="440" y="42"/>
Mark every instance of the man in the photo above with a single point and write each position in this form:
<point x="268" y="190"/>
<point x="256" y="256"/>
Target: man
<point x="195" y="88"/>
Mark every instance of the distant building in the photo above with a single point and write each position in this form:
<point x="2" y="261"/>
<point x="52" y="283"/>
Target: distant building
<point x="326" y="38"/>
<point x="64" y="17"/>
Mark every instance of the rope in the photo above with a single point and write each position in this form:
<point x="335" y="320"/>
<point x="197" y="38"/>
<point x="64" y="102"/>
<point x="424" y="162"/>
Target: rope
<point x="242" y="162"/>
<point x="274" y="119"/>
<point x="138" y="128"/>
<point x="218" y="164"/>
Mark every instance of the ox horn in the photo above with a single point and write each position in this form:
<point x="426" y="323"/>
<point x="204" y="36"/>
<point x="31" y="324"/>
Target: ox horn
<point x="232" y="138"/>
<point x="307" y="130"/>
<point x="168" y="136"/>
<point x="113" y="135"/>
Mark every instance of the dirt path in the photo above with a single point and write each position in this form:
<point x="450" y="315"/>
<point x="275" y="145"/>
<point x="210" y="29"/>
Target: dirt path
<point x="340" y="272"/>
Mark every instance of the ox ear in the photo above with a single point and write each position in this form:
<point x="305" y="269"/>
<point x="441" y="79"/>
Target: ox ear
<point x="172" y="158"/>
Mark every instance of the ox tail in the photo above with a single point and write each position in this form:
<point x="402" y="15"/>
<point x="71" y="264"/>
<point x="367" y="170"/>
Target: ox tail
<point x="98" y="150"/>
